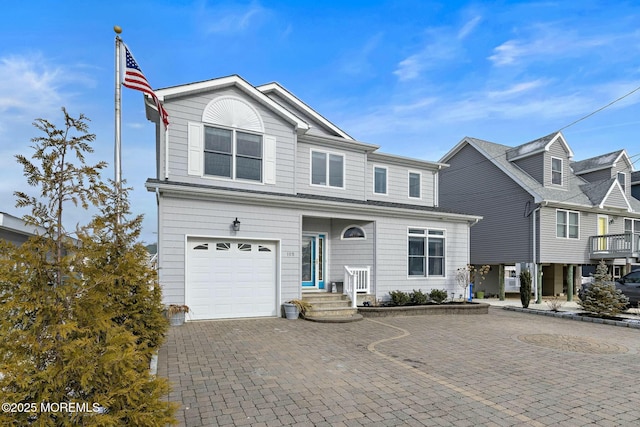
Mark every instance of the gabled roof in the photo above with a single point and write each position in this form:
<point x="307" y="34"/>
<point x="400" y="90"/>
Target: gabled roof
<point x="577" y="192"/>
<point x="604" y="161"/>
<point x="537" y="146"/>
<point x="291" y="98"/>
<point x="222" y="82"/>
<point x="599" y="192"/>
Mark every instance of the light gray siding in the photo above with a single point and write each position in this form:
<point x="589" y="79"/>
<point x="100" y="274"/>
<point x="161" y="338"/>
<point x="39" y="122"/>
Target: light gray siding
<point x="563" y="250"/>
<point x="556" y="150"/>
<point x="616" y="199"/>
<point x="354" y="173"/>
<point x="504" y="233"/>
<point x="398" y="184"/>
<point x="186" y="110"/>
<point x="316" y="128"/>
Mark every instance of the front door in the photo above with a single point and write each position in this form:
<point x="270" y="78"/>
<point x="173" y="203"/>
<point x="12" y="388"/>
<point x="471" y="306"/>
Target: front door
<point x="313" y="261"/>
<point x="603" y="225"/>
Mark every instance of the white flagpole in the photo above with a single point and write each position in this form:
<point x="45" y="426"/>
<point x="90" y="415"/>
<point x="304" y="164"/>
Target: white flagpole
<point x="117" y="152"/>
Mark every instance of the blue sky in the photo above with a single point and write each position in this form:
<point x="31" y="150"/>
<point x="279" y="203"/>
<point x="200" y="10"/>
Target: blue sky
<point x="414" y="77"/>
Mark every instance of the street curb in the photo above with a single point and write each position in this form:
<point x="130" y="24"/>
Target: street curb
<point x="630" y="323"/>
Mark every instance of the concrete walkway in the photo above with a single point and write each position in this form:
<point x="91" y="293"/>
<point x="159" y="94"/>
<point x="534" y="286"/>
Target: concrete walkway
<point x="499" y="369"/>
<point x="547" y="305"/>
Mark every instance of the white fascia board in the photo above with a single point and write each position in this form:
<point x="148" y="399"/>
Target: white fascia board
<point x="613" y="185"/>
<point x="234" y="80"/>
<point x="406" y="161"/>
<point x="275" y="87"/>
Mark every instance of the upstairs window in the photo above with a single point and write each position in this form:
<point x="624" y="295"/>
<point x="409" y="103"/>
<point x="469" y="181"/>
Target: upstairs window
<point x="622" y="179"/>
<point x="232" y="154"/>
<point x="556" y="171"/>
<point x="379" y="180"/>
<point x="327" y="169"/>
<point x="415" y="179"/>
<point x="567" y="224"/>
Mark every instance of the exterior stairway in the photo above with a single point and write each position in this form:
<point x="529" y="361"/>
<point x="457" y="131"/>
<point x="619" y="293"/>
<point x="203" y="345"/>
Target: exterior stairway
<point x="330" y="308"/>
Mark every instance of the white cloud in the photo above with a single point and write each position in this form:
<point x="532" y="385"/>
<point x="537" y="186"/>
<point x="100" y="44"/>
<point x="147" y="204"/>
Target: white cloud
<point x="516" y="89"/>
<point x="232" y="19"/>
<point x="469" y="27"/>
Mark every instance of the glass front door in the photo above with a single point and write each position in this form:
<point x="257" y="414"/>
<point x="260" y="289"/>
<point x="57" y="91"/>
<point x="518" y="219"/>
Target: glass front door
<point x="313" y="261"/>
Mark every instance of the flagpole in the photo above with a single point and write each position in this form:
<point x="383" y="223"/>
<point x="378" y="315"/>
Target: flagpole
<point x="117" y="151"/>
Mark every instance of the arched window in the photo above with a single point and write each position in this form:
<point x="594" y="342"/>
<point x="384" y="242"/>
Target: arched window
<point x="353" y="232"/>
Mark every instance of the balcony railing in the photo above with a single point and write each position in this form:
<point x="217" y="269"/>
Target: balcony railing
<point x="614" y="245"/>
<point x="356" y="279"/>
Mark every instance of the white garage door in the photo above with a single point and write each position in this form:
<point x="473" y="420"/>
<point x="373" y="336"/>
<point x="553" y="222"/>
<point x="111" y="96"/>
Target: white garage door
<point x="230" y="278"/>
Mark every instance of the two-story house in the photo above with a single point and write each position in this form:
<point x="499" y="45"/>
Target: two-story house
<point x="261" y="198"/>
<point x="540" y="207"/>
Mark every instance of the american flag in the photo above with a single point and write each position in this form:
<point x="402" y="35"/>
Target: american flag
<point x="134" y="79"/>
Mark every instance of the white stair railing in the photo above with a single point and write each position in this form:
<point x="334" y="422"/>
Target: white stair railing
<point x="356" y="279"/>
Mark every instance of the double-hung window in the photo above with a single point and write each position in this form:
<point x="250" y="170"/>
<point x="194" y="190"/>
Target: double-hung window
<point x="567" y="224"/>
<point x="415" y="179"/>
<point x="426" y="253"/>
<point x="379" y="180"/>
<point x="327" y="169"/>
<point x="232" y="154"/>
<point x="556" y="171"/>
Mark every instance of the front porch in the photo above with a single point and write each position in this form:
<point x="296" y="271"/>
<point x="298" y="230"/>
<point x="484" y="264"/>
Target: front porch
<point x="610" y="246"/>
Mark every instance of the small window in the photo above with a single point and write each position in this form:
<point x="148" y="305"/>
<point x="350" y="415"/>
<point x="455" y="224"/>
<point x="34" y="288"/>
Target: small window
<point x="327" y="169"/>
<point x="556" y="171"/>
<point x="414" y="185"/>
<point x="622" y="179"/>
<point x="380" y="180"/>
<point x="244" y="247"/>
<point x="223" y="246"/>
<point x="567" y="224"/>
<point x="353" y="232"/>
<point x="202" y="247"/>
<point x="263" y="249"/>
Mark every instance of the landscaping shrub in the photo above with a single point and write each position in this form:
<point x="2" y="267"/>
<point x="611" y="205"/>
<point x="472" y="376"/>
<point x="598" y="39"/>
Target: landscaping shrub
<point x="399" y="298"/>
<point x="525" y="288"/>
<point x="438" y="295"/>
<point x="601" y="298"/>
<point x="418" y="297"/>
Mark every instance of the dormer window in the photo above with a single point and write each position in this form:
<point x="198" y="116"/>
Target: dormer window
<point x="622" y="180"/>
<point x="556" y="171"/>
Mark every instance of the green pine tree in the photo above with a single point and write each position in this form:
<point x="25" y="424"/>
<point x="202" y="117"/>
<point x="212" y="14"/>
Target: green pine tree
<point x="75" y="320"/>
<point x="601" y="298"/>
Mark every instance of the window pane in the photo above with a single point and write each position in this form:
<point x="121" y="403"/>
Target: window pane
<point x="416" y="246"/>
<point x="414" y="185"/>
<point x="561" y="224"/>
<point x="416" y="266"/>
<point x="318" y="168"/>
<point x="436" y="247"/>
<point x="335" y="170"/>
<point x="247" y="168"/>
<point x="436" y="266"/>
<point x="353" y="233"/>
<point x="380" y="177"/>
<point x="248" y="145"/>
<point x="217" y="140"/>
<point x="217" y="164"/>
<point x="574" y="229"/>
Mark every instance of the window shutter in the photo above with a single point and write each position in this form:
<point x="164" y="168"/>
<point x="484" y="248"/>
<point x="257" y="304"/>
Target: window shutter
<point x="196" y="149"/>
<point x="269" y="159"/>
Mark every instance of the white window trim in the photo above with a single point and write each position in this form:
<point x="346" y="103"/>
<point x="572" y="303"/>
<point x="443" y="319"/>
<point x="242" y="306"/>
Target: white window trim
<point x="561" y="171"/>
<point x="234" y="155"/>
<point x="386" y="178"/>
<point x="567" y="225"/>
<point x="426" y="255"/>
<point x="409" y="184"/>
<point x="328" y="153"/>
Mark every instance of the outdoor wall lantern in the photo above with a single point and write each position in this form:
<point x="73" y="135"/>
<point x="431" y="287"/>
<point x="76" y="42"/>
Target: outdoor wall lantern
<point x="236" y="225"/>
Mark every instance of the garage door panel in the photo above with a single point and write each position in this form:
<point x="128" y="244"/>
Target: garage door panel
<point x="229" y="279"/>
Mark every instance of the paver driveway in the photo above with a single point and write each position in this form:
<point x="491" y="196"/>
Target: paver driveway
<point x="499" y="369"/>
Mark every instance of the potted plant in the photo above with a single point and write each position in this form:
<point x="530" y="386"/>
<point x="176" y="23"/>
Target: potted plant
<point x="176" y="313"/>
<point x="295" y="307"/>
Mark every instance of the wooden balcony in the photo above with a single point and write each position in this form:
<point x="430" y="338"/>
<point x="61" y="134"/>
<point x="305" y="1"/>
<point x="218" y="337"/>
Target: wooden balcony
<point x="607" y="246"/>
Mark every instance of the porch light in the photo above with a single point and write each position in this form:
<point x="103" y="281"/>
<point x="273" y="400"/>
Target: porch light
<point x="236" y="224"/>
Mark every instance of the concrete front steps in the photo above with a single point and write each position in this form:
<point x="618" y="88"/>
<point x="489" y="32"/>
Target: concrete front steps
<point x="330" y="308"/>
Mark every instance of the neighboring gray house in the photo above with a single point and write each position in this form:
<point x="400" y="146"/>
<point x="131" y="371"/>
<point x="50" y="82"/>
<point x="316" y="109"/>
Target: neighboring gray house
<point x="15" y="230"/>
<point x="539" y="206"/>
<point x="635" y="184"/>
<point x="261" y="198"/>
